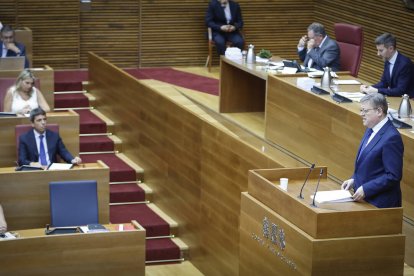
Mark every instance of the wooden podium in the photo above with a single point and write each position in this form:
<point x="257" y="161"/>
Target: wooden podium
<point x="281" y="234"/>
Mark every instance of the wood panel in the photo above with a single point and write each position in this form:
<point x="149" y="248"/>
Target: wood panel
<point x="110" y="29"/>
<point x="304" y="255"/>
<point x="376" y="17"/>
<point x="195" y="161"/>
<point x="55" y="27"/>
<point x="106" y="253"/>
<point x="24" y="196"/>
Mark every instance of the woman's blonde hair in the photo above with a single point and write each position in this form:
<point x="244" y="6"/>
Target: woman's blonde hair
<point x="25" y="74"/>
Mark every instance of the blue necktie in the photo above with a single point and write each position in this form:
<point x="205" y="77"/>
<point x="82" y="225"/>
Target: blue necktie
<point x="42" y="152"/>
<point x="387" y="70"/>
<point x="369" y="132"/>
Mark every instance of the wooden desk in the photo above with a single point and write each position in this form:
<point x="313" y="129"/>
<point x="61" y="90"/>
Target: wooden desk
<point x="107" y="253"/>
<point x="345" y="238"/>
<point x="25" y="195"/>
<point x="47" y="81"/>
<point x="68" y="129"/>
<point x="322" y="131"/>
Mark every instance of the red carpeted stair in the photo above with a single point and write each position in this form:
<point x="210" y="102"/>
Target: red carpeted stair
<point x="158" y="248"/>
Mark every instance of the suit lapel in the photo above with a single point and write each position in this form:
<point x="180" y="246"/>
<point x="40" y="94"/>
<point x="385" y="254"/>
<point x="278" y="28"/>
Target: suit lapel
<point x="33" y="145"/>
<point x="48" y="144"/>
<point x="373" y="142"/>
<point x="395" y="69"/>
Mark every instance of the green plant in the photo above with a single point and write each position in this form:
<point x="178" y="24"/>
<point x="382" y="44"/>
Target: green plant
<point x="265" y="53"/>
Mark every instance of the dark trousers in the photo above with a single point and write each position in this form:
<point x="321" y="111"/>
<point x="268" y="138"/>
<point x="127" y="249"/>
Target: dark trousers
<point x="221" y="38"/>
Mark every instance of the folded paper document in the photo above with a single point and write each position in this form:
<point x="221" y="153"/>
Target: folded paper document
<point x="333" y="196"/>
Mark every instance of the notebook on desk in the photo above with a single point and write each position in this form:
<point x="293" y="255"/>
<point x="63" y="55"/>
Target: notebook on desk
<point x="12" y="63"/>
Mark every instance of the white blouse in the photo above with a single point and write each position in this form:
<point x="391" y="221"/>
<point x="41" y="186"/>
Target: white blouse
<point x="18" y="103"/>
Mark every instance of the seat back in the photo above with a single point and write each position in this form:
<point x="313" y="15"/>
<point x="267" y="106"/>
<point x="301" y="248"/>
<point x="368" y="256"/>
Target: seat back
<point x="20" y="129"/>
<point x="350" y="39"/>
<point x="5" y="84"/>
<point x="73" y="203"/>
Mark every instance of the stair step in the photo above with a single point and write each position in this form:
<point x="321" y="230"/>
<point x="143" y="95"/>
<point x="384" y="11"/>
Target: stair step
<point x="173" y="224"/>
<point x="144" y="215"/>
<point x="126" y="193"/>
<point x="119" y="170"/>
<point x="117" y="142"/>
<point x="164" y="250"/>
<point x="109" y="123"/>
<point x="95" y="143"/>
<point x="132" y="164"/>
<point x="90" y="122"/>
<point x="71" y="100"/>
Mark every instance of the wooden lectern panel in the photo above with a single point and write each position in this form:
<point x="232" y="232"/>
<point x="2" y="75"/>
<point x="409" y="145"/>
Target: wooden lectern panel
<point x="271" y="245"/>
<point x="25" y="195"/>
<point x="107" y="253"/>
<point x="348" y="219"/>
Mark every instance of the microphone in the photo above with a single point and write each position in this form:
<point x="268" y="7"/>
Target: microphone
<point x="316" y="190"/>
<point x="304" y="183"/>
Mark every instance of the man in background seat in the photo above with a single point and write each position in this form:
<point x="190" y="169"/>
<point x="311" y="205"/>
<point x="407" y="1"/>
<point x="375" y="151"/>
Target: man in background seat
<point x="225" y="20"/>
<point x="39" y="146"/>
<point x="9" y="47"/>
<point x="398" y="75"/>
<point x="317" y="50"/>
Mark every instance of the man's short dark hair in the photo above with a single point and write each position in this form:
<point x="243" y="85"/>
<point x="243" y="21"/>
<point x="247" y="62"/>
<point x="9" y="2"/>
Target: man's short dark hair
<point x="36" y="112"/>
<point x="317" y="28"/>
<point x="387" y="40"/>
<point x="376" y="100"/>
<point x="6" y="29"/>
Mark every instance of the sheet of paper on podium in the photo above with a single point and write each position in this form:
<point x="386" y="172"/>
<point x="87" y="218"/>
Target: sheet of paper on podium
<point x="60" y="166"/>
<point x="333" y="196"/>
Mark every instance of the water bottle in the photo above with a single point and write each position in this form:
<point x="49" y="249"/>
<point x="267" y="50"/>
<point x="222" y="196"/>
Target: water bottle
<point x="405" y="110"/>
<point x="326" y="78"/>
<point x="251" y="57"/>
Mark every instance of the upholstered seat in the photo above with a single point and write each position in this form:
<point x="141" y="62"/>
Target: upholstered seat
<point x="350" y="39"/>
<point x="73" y="203"/>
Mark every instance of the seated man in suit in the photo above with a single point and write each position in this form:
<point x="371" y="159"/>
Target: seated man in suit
<point x="9" y="47"/>
<point x="225" y="19"/>
<point x="3" y="224"/>
<point x="39" y="152"/>
<point x="317" y="50"/>
<point x="379" y="163"/>
<point x="398" y="76"/>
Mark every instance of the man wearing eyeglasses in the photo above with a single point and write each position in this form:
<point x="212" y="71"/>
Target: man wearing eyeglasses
<point x="379" y="162"/>
<point x="9" y="47"/>
<point x="398" y="75"/>
<point x="317" y="50"/>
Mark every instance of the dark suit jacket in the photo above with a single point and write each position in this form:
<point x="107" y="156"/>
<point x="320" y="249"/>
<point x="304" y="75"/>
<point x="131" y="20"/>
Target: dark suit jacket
<point x="402" y="78"/>
<point x="327" y="55"/>
<point x="215" y="17"/>
<point x="28" y="149"/>
<point x="22" y="49"/>
<point x="379" y="168"/>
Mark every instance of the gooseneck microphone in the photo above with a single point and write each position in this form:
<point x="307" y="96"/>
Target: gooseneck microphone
<point x="306" y="179"/>
<point x="316" y="190"/>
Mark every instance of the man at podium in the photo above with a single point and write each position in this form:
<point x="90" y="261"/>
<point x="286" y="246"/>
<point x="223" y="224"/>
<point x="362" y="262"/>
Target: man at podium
<point x="379" y="162"/>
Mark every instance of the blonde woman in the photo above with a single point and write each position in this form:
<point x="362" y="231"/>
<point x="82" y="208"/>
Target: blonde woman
<point x="22" y="97"/>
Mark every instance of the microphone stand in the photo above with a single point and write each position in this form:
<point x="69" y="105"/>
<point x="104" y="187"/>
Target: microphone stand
<point x="306" y="179"/>
<point x="316" y="190"/>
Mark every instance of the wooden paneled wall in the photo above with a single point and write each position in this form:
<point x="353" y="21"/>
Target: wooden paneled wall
<point x="110" y="29"/>
<point x="177" y="143"/>
<point x="149" y="33"/>
<point x="55" y="27"/>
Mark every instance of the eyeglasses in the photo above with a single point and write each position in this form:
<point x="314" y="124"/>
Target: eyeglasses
<point x="365" y="111"/>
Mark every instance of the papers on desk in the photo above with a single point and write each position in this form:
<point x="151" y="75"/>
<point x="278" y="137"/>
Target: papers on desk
<point x="289" y="70"/>
<point x="354" y="96"/>
<point x="319" y="74"/>
<point x="335" y="196"/>
<point x="7" y="236"/>
<point x="277" y="64"/>
<point x="344" y="82"/>
<point x="59" y="166"/>
<point x="263" y="60"/>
